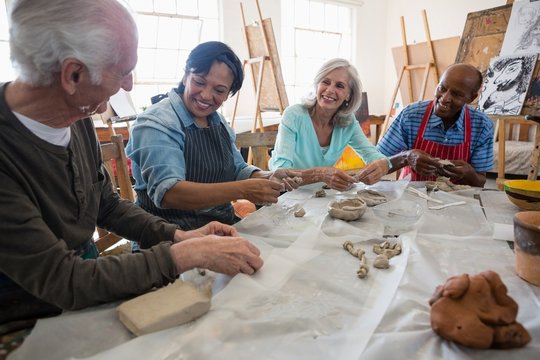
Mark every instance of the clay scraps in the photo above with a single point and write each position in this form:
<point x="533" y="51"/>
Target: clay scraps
<point x="384" y="252"/>
<point x="444" y="184"/>
<point x="371" y="197"/>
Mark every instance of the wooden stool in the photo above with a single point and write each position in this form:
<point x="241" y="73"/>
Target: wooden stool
<point x="535" y="158"/>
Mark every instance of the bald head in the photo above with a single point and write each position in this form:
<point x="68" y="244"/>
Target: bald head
<point x="470" y="75"/>
<point x="458" y="86"/>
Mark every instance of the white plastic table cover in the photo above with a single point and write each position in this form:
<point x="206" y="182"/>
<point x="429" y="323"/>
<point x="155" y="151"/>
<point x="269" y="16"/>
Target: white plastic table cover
<point x="306" y="302"/>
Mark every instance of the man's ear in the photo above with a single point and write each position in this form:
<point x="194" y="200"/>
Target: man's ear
<point x="71" y="74"/>
<point x="473" y="97"/>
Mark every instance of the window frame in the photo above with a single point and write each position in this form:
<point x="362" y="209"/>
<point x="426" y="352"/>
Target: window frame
<point x="298" y="84"/>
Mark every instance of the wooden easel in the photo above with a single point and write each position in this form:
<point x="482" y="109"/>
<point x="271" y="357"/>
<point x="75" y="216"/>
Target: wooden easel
<point x="270" y="94"/>
<point x="407" y="68"/>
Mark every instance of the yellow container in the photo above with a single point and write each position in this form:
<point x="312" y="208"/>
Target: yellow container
<point x="525" y="194"/>
<point x="349" y="160"/>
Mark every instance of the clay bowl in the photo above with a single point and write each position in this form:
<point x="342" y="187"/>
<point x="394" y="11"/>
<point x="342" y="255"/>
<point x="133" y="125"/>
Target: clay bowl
<point x="525" y="194"/>
<point x="348" y="209"/>
<point x="527" y="245"/>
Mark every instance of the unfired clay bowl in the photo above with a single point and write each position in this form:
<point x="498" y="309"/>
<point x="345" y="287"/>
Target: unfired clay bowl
<point x="348" y="209"/>
<point x="527" y="245"/>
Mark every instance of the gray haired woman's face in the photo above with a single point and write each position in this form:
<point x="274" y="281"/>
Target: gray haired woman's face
<point x="333" y="90"/>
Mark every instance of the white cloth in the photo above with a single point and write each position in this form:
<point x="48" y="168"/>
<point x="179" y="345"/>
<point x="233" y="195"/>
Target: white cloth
<point x="307" y="303"/>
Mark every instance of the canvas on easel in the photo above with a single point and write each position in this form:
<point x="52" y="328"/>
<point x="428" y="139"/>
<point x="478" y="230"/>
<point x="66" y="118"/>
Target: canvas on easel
<point x="481" y="42"/>
<point x="406" y="73"/>
<point x="505" y="84"/>
<point x="265" y="68"/>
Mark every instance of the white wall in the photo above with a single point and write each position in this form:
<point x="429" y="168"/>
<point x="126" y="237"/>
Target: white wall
<point x="378" y="31"/>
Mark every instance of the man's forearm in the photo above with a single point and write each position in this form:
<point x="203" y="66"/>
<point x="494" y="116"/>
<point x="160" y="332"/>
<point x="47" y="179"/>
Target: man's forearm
<point x="399" y="161"/>
<point x="474" y="179"/>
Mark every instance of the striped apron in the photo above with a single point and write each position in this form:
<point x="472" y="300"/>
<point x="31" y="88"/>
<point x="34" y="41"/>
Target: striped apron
<point x="441" y="151"/>
<point x="209" y="159"/>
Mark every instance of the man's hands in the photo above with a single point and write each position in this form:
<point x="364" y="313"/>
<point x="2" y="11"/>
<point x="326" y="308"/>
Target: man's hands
<point x="217" y="247"/>
<point x="458" y="171"/>
<point x="423" y="163"/>
<point x="212" y="228"/>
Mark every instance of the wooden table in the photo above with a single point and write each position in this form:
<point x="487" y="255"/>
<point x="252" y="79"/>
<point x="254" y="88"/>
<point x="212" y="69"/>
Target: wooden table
<point x="307" y="303"/>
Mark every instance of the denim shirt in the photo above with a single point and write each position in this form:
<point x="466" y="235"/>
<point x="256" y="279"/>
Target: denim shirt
<point x="156" y="147"/>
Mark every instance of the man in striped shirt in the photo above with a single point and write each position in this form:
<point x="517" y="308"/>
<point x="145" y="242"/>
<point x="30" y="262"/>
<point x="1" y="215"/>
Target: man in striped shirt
<point x="445" y="128"/>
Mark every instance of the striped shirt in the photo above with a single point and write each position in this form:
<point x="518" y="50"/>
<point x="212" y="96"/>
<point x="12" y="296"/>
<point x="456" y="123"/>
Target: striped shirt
<point x="402" y="134"/>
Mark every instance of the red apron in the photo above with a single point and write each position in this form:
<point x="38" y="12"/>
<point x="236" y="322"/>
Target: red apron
<point x="441" y="151"/>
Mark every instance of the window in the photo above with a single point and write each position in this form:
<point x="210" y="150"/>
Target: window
<point x="168" y="31"/>
<point x="313" y="31"/>
<point x="6" y="70"/>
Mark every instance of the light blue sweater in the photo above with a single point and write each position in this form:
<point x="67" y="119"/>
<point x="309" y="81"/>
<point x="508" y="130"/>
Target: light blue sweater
<point x="297" y="145"/>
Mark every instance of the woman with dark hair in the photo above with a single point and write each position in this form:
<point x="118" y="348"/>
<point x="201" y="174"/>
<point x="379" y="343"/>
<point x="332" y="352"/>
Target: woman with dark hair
<point x="185" y="163"/>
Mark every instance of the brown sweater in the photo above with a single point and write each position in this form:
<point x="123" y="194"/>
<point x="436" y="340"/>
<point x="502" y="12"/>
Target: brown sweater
<point x="51" y="199"/>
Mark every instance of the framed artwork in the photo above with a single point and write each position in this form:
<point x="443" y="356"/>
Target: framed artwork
<point x="523" y="31"/>
<point x="505" y="84"/>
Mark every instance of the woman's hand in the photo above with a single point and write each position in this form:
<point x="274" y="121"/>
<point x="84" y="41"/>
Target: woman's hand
<point x="290" y="179"/>
<point x="372" y="172"/>
<point x="335" y="178"/>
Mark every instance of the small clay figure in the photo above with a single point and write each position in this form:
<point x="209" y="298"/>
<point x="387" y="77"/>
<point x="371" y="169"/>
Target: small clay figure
<point x="476" y="311"/>
<point x="326" y="187"/>
<point x="387" y="250"/>
<point x="360" y="254"/>
<point x="348" y="245"/>
<point x="364" y="268"/>
<point x="371" y="197"/>
<point x="320" y="193"/>
<point x="381" y="262"/>
<point x="300" y="212"/>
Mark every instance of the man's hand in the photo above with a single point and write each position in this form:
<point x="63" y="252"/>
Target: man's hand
<point x="460" y="170"/>
<point x="423" y="163"/>
<point x="372" y="172"/>
<point x="222" y="254"/>
<point x="212" y="228"/>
